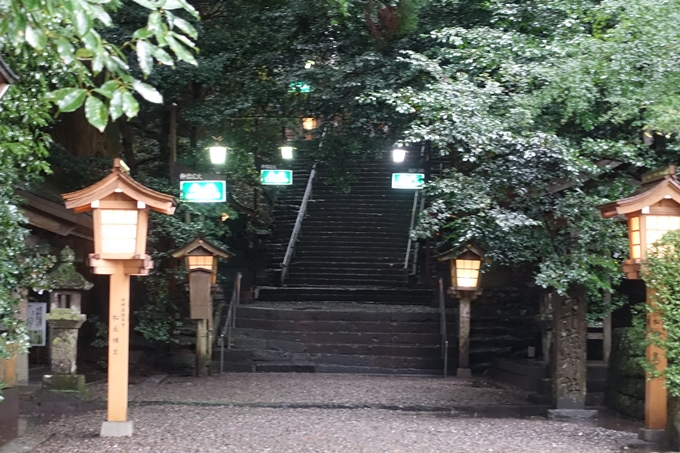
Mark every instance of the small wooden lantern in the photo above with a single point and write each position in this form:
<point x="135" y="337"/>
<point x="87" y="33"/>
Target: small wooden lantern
<point x="201" y="260"/>
<point x="465" y="268"/>
<point x="120" y="208"/>
<point x="651" y="213"/>
<point x="7" y="77"/>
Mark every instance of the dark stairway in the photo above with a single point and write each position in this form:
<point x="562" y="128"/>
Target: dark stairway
<point x="344" y="307"/>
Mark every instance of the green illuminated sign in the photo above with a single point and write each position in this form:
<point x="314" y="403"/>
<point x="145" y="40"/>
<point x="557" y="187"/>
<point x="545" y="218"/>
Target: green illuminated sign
<point x="408" y="180"/>
<point x="299" y="87"/>
<point x="276" y="177"/>
<point x="203" y="191"/>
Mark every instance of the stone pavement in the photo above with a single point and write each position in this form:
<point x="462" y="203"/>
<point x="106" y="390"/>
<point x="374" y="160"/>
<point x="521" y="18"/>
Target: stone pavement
<point x="297" y="413"/>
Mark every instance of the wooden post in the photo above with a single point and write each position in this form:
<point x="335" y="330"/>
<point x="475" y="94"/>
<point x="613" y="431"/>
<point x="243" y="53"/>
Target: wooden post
<point x="202" y="359"/>
<point x="569" y="352"/>
<point x="464" y="338"/>
<point x="119" y="337"/>
<point x="655" y="389"/>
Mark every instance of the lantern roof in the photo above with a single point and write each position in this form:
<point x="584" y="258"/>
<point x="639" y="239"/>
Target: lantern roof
<point x="119" y="181"/>
<point x="456" y="252"/>
<point x="656" y="186"/>
<point x="7" y="74"/>
<point x="199" y="245"/>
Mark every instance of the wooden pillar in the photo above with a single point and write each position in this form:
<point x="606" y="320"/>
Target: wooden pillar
<point x="655" y="389"/>
<point x="119" y="338"/>
<point x="202" y="358"/>
<point x="464" y="338"/>
<point x="569" y="351"/>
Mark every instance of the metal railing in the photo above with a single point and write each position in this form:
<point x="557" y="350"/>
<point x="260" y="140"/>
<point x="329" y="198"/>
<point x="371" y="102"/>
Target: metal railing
<point x="298" y="225"/>
<point x="407" y="258"/>
<point x="442" y="328"/>
<point x="230" y="321"/>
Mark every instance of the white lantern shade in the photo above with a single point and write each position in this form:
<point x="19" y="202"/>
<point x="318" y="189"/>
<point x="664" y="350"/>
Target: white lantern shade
<point x="218" y="154"/>
<point x="467" y="273"/>
<point x="287" y="152"/>
<point x="201" y="262"/>
<point x="398" y="155"/>
<point x="309" y="124"/>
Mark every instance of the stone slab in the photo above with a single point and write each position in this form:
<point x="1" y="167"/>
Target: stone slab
<point x="580" y="416"/>
<point x="64" y="383"/>
<point x="651" y="435"/>
<point x="116" y="429"/>
<point x="463" y="373"/>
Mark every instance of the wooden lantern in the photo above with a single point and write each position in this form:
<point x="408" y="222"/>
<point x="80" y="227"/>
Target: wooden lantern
<point x="7" y="77"/>
<point x="652" y="212"/>
<point x="120" y="210"/>
<point x="465" y="268"/>
<point x="201" y="259"/>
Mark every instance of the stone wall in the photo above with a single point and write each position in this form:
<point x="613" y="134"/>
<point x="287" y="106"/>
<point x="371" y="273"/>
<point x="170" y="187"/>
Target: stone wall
<point x="626" y="378"/>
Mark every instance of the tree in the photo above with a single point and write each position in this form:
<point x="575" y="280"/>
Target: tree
<point x="58" y="51"/>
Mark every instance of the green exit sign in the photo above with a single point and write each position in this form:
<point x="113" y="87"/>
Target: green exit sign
<point x="276" y="177"/>
<point x="408" y="180"/>
<point x="203" y="191"/>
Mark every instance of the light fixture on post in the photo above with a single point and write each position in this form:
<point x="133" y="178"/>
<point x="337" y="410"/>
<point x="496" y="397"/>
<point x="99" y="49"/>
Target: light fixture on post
<point x="7" y="77"/>
<point x="218" y="153"/>
<point x="120" y="210"/>
<point x="287" y="151"/>
<point x="651" y="213"/>
<point x="309" y="124"/>
<point x="201" y="260"/>
<point x="398" y="154"/>
<point x="465" y="271"/>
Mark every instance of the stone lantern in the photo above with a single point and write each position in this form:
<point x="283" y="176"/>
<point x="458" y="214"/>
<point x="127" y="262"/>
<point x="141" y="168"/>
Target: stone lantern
<point x="65" y="318"/>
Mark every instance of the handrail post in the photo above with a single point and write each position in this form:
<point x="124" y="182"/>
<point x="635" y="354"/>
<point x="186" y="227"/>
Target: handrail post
<point x="442" y="328"/>
<point x="230" y="322"/>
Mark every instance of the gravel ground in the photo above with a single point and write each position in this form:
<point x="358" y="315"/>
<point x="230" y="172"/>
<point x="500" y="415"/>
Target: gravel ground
<point x="184" y="429"/>
<point x="236" y="421"/>
<point x="303" y="388"/>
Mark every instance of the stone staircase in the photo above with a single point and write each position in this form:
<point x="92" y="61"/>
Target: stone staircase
<point x="344" y="307"/>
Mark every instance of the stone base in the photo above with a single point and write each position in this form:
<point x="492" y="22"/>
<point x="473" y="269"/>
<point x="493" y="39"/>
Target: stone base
<point x="463" y="373"/>
<point x="116" y="429"/>
<point x="651" y="435"/>
<point x="64" y="383"/>
<point x="580" y="416"/>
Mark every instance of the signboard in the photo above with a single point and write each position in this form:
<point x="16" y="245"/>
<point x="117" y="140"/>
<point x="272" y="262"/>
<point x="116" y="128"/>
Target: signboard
<point x="408" y="180"/>
<point x="35" y="323"/>
<point x="203" y="191"/>
<point x="276" y="177"/>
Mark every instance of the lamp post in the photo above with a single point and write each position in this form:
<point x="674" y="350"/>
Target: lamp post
<point x="7" y="77"/>
<point x="465" y="275"/>
<point x="120" y="210"/>
<point x="201" y="259"/>
<point x="652" y="212"/>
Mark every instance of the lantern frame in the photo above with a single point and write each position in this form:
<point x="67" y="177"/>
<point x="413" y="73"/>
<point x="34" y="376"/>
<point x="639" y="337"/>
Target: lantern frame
<point x="651" y="212"/>
<point x="472" y="256"/>
<point x="112" y="202"/>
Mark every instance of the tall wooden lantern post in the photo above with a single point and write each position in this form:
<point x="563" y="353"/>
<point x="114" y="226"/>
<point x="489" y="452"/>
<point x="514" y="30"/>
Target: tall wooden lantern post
<point x="652" y="212"/>
<point x="120" y="210"/>
<point x="201" y="260"/>
<point x="465" y="275"/>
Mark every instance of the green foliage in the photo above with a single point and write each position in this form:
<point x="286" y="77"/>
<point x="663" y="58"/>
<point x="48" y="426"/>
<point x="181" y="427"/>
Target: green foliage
<point x="69" y="33"/>
<point x="661" y="273"/>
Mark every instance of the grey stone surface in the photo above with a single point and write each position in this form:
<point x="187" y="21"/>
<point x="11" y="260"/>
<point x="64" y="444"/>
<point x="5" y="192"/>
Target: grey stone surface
<point x="582" y="416"/>
<point x="651" y="435"/>
<point x="116" y="429"/>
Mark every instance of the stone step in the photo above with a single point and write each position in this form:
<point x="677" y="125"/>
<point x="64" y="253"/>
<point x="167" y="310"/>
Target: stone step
<point x="285" y="367"/>
<point x="308" y="325"/>
<point x="337" y="311"/>
<point x="283" y="350"/>
<point x="260" y="338"/>
<point x="353" y="294"/>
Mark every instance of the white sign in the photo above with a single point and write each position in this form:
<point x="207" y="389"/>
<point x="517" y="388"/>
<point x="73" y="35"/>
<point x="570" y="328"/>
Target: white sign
<point x="35" y="323"/>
